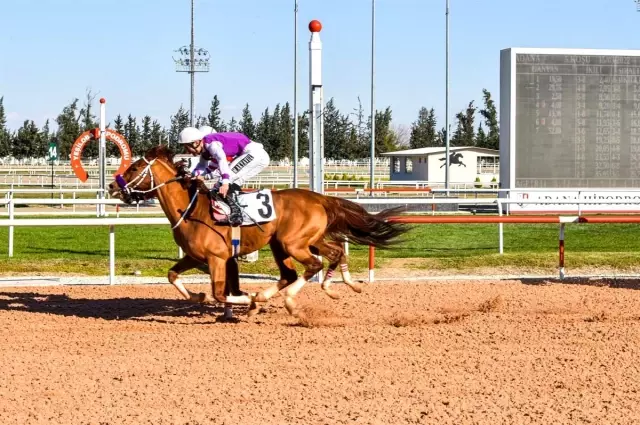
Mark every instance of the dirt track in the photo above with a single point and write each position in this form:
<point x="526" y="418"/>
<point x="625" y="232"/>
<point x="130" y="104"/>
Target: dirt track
<point x="436" y="353"/>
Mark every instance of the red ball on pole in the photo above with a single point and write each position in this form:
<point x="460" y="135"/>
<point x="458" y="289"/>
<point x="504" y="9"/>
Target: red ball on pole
<point x="315" y="26"/>
<point x="103" y="100"/>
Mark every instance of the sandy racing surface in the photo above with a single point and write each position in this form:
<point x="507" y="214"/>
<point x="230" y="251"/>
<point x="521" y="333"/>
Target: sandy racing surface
<point x="421" y="353"/>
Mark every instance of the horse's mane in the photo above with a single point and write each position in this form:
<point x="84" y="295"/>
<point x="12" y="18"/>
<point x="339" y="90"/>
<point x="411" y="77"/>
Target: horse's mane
<point x="161" y="152"/>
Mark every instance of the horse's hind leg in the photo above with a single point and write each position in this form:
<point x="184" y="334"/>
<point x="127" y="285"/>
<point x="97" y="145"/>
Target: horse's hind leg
<point x="337" y="256"/>
<point x="333" y="252"/>
<point x="344" y="270"/>
<point x="312" y="266"/>
<point x="288" y="273"/>
<point x="184" y="264"/>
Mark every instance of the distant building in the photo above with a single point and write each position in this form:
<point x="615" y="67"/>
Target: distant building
<point x="428" y="164"/>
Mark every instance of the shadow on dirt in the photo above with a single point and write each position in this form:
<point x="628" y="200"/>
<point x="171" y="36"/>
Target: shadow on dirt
<point x="606" y="282"/>
<point x="146" y="309"/>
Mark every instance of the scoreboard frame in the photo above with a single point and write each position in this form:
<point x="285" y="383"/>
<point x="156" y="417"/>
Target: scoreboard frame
<point x="507" y="119"/>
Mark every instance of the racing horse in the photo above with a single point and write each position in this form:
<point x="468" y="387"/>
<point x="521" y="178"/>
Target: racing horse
<point x="301" y="221"/>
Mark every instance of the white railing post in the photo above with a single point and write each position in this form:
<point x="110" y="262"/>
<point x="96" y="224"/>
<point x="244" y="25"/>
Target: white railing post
<point x="500" y="230"/>
<point x="112" y="254"/>
<point x="11" y="217"/>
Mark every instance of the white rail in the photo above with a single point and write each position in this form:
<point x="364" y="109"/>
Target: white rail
<point x="112" y="222"/>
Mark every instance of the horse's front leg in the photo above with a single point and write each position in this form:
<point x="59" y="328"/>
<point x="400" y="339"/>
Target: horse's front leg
<point x="184" y="264"/>
<point x="233" y="288"/>
<point x="217" y="270"/>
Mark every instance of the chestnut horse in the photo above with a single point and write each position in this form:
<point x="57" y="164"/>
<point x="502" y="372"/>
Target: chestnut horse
<point x="303" y="220"/>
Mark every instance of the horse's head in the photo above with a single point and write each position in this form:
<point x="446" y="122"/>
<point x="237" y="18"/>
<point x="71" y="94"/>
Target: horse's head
<point x="139" y="182"/>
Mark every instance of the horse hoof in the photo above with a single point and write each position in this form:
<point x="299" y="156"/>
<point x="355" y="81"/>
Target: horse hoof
<point x="260" y="298"/>
<point x="253" y="310"/>
<point x="356" y="288"/>
<point x="290" y="304"/>
<point x="332" y="294"/>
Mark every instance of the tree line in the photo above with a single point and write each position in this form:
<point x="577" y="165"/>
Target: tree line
<point x="346" y="135"/>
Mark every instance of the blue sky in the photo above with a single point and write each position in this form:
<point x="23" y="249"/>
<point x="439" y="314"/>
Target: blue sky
<point x="53" y="50"/>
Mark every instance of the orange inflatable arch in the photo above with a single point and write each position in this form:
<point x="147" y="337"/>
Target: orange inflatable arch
<point x="94" y="134"/>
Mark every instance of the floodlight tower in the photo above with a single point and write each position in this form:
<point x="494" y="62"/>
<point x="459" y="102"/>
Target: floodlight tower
<point x="191" y="59"/>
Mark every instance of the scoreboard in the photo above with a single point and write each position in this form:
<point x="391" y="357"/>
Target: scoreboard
<point x="569" y="118"/>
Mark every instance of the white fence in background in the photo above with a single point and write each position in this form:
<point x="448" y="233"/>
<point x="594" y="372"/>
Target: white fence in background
<point x="112" y="222"/>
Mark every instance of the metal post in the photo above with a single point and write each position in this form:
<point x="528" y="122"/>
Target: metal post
<point x="316" y="119"/>
<point x="316" y="107"/>
<point x="191" y="70"/>
<point x="373" y="107"/>
<point x="52" y="178"/>
<point x="295" y="95"/>
<point x="446" y="103"/>
<point x="102" y="155"/>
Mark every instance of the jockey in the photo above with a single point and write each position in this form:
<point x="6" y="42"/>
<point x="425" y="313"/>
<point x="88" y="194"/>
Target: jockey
<point x="233" y="155"/>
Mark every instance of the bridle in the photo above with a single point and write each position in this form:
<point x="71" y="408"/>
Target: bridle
<point x="129" y="189"/>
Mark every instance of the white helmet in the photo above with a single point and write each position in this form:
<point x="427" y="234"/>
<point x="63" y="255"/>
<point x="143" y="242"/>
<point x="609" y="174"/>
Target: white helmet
<point x="190" y="135"/>
<point x="207" y="130"/>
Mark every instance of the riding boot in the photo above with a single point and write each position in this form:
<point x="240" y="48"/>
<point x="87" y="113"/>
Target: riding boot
<point x="235" y="216"/>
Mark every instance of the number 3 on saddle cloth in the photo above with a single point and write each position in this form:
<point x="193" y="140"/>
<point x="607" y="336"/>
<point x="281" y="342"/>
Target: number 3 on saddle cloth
<point x="256" y="207"/>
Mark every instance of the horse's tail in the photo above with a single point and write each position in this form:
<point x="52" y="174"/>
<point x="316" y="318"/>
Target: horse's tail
<point x="346" y="219"/>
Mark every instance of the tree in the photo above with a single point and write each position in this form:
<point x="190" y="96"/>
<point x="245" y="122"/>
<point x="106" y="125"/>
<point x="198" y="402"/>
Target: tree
<point x="263" y="129"/>
<point x="303" y="136"/>
<point x="213" y="119"/>
<point x="423" y="130"/>
<point x="490" y="115"/>
<point x="145" y="141"/>
<point x="481" y="137"/>
<point x="464" y="134"/>
<point x="201" y="120"/>
<point x="5" y="136"/>
<point x="68" y="128"/>
<point x="118" y="127"/>
<point x="41" y="149"/>
<point x="89" y="122"/>
<point x="358" y="146"/>
<point x="179" y="122"/>
<point x="132" y="134"/>
<point x="26" y="140"/>
<point x="335" y="132"/>
<point x="233" y="125"/>
<point x="247" y="125"/>
<point x="442" y="136"/>
<point x="403" y="134"/>
<point x="158" y="134"/>
<point x="284" y="133"/>
<point x="385" y="139"/>
<point x="274" y="129"/>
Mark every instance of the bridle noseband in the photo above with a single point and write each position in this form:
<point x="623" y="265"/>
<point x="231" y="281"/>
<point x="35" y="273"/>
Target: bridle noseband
<point x="129" y="190"/>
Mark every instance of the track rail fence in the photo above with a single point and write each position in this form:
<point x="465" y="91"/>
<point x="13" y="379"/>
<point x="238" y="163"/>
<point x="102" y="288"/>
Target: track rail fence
<point x="500" y="219"/>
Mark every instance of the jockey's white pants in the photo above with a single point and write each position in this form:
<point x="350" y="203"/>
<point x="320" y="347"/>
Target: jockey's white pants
<point x="249" y="164"/>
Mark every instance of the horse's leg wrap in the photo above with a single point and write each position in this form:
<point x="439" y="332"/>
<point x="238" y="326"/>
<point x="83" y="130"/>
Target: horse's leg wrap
<point x="291" y="292"/>
<point x="326" y="284"/>
<point x="346" y="278"/>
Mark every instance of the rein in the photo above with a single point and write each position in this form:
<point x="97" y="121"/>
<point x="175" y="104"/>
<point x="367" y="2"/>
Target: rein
<point x="134" y="183"/>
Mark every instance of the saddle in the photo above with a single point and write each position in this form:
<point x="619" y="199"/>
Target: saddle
<point x="256" y="207"/>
